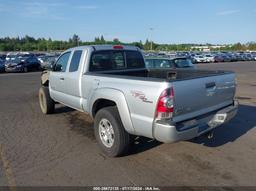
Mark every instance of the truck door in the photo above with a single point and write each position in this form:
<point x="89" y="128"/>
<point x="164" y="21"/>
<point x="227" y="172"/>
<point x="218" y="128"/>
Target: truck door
<point x="57" y="78"/>
<point x="73" y="80"/>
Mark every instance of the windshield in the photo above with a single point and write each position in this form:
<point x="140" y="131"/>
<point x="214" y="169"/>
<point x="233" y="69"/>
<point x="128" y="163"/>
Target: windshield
<point x="183" y="63"/>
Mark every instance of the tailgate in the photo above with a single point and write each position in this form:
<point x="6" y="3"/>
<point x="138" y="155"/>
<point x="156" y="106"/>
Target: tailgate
<point x="199" y="96"/>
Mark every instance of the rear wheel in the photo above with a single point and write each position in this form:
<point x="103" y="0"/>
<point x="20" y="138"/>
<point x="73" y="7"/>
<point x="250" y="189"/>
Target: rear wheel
<point x="25" y="69"/>
<point x="113" y="139"/>
<point x="47" y="104"/>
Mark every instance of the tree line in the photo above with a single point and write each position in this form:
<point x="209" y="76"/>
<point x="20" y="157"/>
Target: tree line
<point x="28" y="43"/>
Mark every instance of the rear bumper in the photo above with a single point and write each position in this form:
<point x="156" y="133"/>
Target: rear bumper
<point x="169" y="133"/>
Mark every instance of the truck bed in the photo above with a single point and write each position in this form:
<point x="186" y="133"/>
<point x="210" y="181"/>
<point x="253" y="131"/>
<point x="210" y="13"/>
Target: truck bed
<point x="164" y="74"/>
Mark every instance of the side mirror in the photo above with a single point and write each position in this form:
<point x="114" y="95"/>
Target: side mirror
<point x="57" y="67"/>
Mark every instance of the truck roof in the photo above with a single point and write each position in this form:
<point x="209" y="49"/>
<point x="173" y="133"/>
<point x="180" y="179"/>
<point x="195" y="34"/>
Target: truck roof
<point x="107" y="47"/>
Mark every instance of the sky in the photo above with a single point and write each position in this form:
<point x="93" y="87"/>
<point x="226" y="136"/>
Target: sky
<point x="163" y="21"/>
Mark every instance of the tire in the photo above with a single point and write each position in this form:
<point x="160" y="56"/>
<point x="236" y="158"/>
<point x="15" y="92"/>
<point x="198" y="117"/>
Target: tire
<point x="121" y="139"/>
<point x="46" y="103"/>
<point x="25" y="69"/>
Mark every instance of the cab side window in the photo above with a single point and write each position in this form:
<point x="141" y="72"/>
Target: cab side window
<point x="62" y="62"/>
<point x="74" y="64"/>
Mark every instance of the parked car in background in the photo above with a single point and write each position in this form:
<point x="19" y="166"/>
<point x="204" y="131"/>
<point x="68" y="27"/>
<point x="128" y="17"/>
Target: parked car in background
<point x="41" y="58"/>
<point x="238" y="57"/>
<point x="39" y="55"/>
<point x="218" y="58"/>
<point x="226" y="58"/>
<point x="23" y="63"/>
<point x="192" y="58"/>
<point x="232" y="57"/>
<point x="200" y="59"/>
<point x="172" y="63"/>
<point x="254" y="56"/>
<point x="2" y="68"/>
<point x="249" y="57"/>
<point x="47" y="61"/>
<point x="209" y="58"/>
<point x="243" y="57"/>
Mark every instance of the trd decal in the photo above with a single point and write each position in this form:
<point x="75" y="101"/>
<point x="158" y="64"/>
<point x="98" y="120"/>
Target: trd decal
<point x="141" y="96"/>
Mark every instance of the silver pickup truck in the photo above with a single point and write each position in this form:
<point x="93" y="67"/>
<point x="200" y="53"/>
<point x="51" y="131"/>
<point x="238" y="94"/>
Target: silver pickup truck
<point x="112" y="85"/>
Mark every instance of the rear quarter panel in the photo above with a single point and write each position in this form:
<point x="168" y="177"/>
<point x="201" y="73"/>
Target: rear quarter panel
<point x="140" y="98"/>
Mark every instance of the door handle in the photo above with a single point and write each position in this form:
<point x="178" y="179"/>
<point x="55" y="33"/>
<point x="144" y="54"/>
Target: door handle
<point x="62" y="78"/>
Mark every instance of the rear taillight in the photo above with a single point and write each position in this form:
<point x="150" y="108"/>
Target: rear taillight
<point x="164" y="109"/>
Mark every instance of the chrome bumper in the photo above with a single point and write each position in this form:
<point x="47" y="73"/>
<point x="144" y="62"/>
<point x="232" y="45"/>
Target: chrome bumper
<point x="168" y="133"/>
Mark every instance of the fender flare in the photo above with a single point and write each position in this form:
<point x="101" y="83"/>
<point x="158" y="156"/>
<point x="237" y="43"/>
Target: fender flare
<point x="45" y="78"/>
<point x="118" y="97"/>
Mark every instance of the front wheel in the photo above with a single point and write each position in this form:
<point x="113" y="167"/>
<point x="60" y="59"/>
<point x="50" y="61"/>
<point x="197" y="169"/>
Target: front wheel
<point x="47" y="104"/>
<point x="113" y="139"/>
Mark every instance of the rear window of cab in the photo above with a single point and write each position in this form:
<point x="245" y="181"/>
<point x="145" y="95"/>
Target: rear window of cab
<point x="116" y="60"/>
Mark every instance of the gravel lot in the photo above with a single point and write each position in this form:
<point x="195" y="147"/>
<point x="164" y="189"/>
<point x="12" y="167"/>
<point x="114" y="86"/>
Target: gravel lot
<point x="60" y="149"/>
